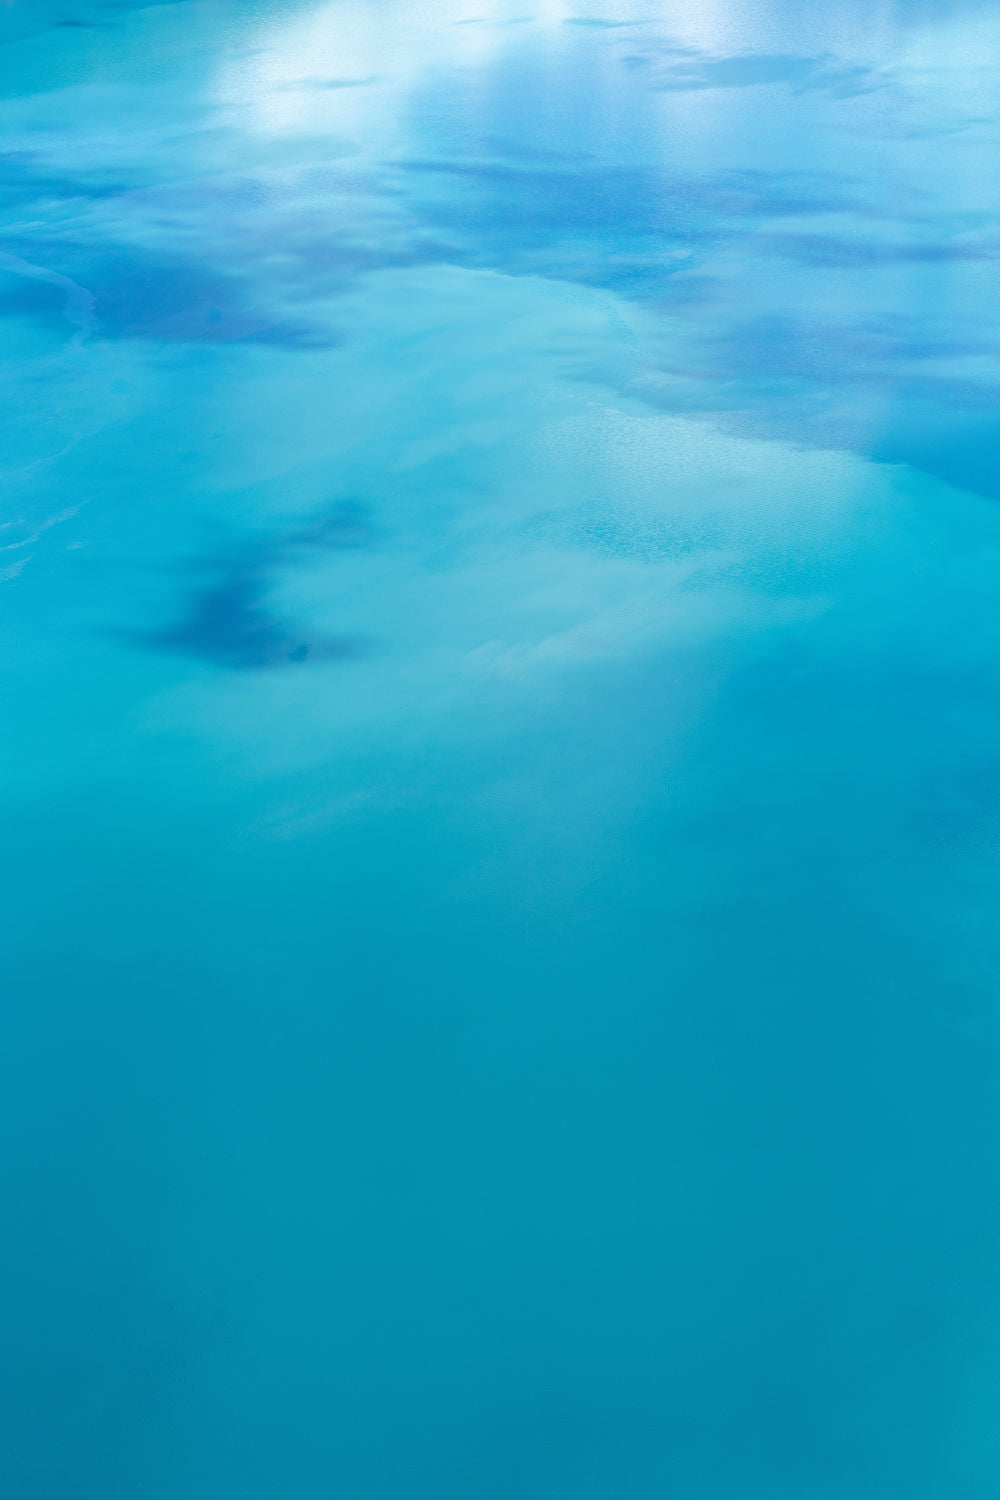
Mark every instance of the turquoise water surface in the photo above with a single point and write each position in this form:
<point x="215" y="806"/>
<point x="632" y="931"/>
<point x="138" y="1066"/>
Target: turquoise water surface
<point x="500" y="563"/>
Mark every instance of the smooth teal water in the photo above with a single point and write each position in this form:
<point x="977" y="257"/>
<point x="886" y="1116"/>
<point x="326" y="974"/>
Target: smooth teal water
<point x="501" y="768"/>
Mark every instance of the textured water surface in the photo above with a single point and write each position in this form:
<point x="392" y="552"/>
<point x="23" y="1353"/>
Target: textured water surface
<point x="500" y="568"/>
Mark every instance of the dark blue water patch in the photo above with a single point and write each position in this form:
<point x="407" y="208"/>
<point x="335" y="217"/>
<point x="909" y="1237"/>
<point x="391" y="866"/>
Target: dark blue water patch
<point x="28" y="297"/>
<point x="224" y="617"/>
<point x="18" y="21"/>
<point x="758" y="70"/>
<point x="813" y="355"/>
<point x="144" y="296"/>
<point x="346" y="525"/>
<point x="318" y="266"/>
<point x="636" y="232"/>
<point x="788" y="193"/>
<point x="174" y="299"/>
<point x="234" y="295"/>
<point x="227" y="623"/>
<point x="831" y="251"/>
<point x="806" y="348"/>
<point x="631" y="201"/>
<point x="27" y="177"/>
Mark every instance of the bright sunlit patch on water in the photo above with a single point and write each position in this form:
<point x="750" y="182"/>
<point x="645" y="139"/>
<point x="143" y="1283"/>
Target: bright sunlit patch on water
<point x="286" y="81"/>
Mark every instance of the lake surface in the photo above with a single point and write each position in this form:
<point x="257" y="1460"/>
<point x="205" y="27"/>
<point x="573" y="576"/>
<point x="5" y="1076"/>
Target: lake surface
<point x="500" y="564"/>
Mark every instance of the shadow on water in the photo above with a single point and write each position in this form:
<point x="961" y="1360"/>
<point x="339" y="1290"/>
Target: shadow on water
<point x="225" y="618"/>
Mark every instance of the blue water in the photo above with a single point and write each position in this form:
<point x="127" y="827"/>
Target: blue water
<point x="501" y="757"/>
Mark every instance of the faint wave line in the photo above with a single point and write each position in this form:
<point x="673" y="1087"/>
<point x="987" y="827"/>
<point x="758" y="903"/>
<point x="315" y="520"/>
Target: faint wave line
<point x="78" y="308"/>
